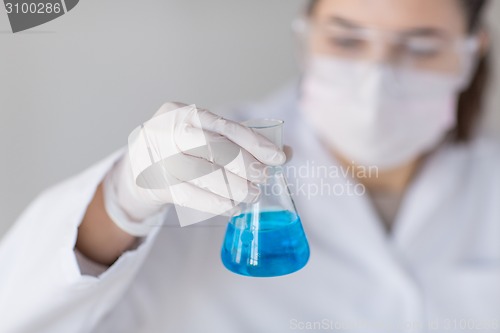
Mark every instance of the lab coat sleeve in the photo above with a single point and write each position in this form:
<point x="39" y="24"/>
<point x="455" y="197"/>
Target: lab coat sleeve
<point x="41" y="286"/>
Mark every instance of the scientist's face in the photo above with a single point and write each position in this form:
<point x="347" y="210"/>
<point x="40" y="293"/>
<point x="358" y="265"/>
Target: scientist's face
<point x="424" y="28"/>
<point x="382" y="77"/>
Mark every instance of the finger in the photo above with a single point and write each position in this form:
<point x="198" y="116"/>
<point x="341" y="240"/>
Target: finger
<point x="187" y="195"/>
<point x="288" y="152"/>
<point x="257" y="145"/>
<point x="210" y="177"/>
<point x="169" y="106"/>
<point x="221" y="151"/>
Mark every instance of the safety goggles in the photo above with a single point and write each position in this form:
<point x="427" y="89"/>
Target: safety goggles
<point x="427" y="52"/>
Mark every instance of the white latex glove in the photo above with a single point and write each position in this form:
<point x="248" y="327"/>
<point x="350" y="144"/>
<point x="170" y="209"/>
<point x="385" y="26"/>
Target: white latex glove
<point x="176" y="158"/>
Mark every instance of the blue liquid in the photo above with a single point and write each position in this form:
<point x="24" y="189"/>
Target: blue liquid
<point x="271" y="245"/>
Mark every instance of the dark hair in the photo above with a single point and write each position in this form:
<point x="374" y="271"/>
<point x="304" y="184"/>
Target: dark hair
<point x="470" y="101"/>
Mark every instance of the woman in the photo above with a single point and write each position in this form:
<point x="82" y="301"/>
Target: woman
<point x="389" y="84"/>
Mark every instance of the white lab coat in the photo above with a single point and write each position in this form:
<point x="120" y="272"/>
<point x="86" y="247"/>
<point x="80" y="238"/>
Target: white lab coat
<point x="440" y="265"/>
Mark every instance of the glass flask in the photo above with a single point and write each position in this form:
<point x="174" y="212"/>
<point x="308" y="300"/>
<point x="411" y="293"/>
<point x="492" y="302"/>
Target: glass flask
<point x="266" y="238"/>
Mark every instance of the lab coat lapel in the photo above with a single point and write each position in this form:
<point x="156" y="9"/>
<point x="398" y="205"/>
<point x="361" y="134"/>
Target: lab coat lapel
<point x="343" y="220"/>
<point x="438" y="180"/>
<point x="346" y="229"/>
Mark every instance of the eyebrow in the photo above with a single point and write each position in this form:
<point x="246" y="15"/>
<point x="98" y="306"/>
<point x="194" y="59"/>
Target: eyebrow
<point x="424" y="32"/>
<point x="345" y="23"/>
<point x="418" y="32"/>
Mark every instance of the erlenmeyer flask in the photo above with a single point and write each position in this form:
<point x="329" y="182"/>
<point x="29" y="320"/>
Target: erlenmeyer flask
<point x="267" y="239"/>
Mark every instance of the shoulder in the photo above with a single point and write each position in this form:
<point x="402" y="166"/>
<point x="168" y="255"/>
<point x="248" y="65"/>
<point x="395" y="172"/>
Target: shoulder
<point x="485" y="151"/>
<point x="475" y="162"/>
<point x="481" y="158"/>
<point x="481" y="150"/>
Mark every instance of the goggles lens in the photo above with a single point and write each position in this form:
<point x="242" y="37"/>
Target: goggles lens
<point x="429" y="52"/>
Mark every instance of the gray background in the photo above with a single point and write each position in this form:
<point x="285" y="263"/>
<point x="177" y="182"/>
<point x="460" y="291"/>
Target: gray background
<point x="71" y="90"/>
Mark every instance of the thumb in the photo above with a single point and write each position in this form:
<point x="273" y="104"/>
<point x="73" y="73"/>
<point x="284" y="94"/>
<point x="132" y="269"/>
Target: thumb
<point x="288" y="152"/>
<point x="169" y="106"/>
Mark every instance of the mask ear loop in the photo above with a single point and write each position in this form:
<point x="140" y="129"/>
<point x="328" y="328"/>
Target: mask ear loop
<point x="468" y="50"/>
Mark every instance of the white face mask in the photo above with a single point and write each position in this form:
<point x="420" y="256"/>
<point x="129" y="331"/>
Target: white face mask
<point x="377" y="115"/>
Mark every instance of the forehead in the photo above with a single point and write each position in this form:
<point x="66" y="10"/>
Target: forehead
<point x="395" y="15"/>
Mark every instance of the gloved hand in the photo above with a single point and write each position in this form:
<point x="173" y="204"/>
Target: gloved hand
<point x="134" y="191"/>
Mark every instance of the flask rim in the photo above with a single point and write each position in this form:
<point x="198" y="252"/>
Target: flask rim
<point x="262" y="123"/>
